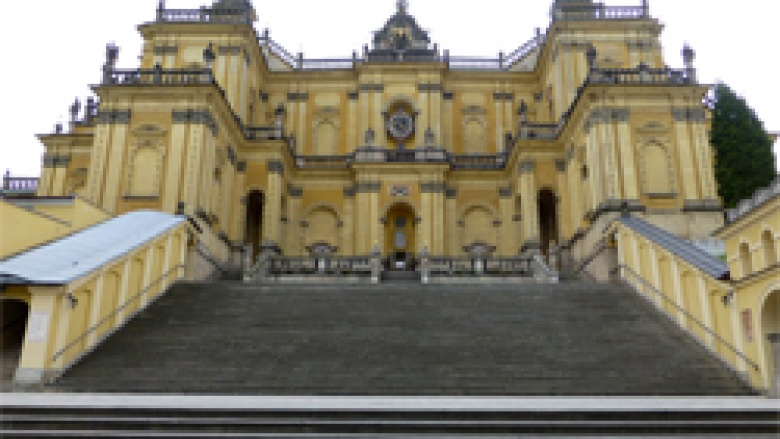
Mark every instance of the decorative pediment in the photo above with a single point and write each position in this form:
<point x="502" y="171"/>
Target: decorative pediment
<point x="474" y="110"/>
<point x="326" y="111"/>
<point x="149" y="130"/>
<point x="653" y="127"/>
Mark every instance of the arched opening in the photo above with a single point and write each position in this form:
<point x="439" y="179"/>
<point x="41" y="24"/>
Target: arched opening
<point x="478" y="229"/>
<point x="400" y="237"/>
<point x="745" y="259"/>
<point x="770" y="330"/>
<point x="770" y="254"/>
<point x="254" y="221"/>
<point x="548" y="220"/>
<point x="15" y="316"/>
<point x="322" y="228"/>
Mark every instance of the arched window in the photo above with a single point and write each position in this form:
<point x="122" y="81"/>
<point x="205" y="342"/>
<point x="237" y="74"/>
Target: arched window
<point x="478" y="226"/>
<point x="770" y="254"/>
<point x="322" y="227"/>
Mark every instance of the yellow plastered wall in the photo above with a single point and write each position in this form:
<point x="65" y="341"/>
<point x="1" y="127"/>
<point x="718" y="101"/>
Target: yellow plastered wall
<point x="21" y="229"/>
<point x="73" y="319"/>
<point x="739" y="314"/>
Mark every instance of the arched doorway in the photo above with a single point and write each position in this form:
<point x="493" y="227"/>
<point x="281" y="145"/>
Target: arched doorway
<point x="548" y="219"/>
<point x="254" y="221"/>
<point x="15" y="314"/>
<point x="400" y="237"/>
<point x="770" y="333"/>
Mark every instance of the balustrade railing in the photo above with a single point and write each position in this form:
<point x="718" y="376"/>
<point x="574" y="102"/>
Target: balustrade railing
<point x="278" y="50"/>
<point x="474" y="266"/>
<point x="479" y="162"/>
<point x="539" y="131"/>
<point x="205" y="15"/>
<point x="319" y="266"/>
<point x="158" y="76"/>
<point x="523" y="51"/>
<point x="641" y="75"/>
<point x="599" y="11"/>
<point x="264" y="133"/>
<point x="323" y="162"/>
<point x="328" y="64"/>
<point x="20" y="184"/>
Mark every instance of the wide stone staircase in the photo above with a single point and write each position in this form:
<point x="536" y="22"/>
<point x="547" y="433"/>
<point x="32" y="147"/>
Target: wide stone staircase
<point x="572" y="339"/>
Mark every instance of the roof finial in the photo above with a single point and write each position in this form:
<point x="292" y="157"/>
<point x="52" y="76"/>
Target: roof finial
<point x="403" y="5"/>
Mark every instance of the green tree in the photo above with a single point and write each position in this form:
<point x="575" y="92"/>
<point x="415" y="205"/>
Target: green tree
<point x="745" y="161"/>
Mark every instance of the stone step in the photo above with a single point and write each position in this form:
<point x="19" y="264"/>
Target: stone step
<point x="569" y="339"/>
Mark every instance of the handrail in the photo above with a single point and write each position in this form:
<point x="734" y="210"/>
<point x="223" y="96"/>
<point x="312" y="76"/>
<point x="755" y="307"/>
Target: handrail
<point x="601" y="246"/>
<point x="113" y="314"/>
<point x="546" y="271"/>
<point x="701" y="325"/>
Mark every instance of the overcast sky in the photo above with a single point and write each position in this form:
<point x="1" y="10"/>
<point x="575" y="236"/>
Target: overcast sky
<point x="54" y="49"/>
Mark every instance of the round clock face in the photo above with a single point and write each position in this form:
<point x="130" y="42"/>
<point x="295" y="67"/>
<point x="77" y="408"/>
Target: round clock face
<point x="400" y="125"/>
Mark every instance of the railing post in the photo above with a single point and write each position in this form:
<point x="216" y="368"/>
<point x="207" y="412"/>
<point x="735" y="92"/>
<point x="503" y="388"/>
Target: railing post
<point x="247" y="262"/>
<point x="376" y="264"/>
<point x="425" y="265"/>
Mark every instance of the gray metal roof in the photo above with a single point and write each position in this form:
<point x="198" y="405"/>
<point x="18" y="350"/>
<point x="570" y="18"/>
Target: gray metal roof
<point x="684" y="249"/>
<point x="75" y="256"/>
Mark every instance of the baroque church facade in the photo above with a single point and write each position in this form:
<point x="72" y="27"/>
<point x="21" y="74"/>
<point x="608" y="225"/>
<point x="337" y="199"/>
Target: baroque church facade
<point x="402" y="148"/>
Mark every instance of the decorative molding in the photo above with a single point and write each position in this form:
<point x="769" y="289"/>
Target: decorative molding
<point x="653" y="127"/>
<point x="327" y="112"/>
<point x="560" y="165"/>
<point x="689" y="114"/>
<point x="111" y="117"/>
<point x="474" y="110"/>
<point x="607" y="115"/>
<point x="501" y="96"/>
<point x="349" y="192"/>
<point x="241" y="167"/>
<point x="505" y="192"/>
<point x="452" y="193"/>
<point x="196" y="117"/>
<point x="641" y="45"/>
<point x="231" y="154"/>
<point x="298" y="97"/>
<point x="430" y="87"/>
<point x="149" y="130"/>
<point x="294" y="191"/>
<point x="353" y="95"/>
<point x="527" y="166"/>
<point x="56" y="161"/>
<point x="400" y="190"/>
<point x="230" y="50"/>
<point x="166" y="50"/>
<point x="433" y="188"/>
<point x="448" y="95"/>
<point x="276" y="167"/>
<point x="368" y="187"/>
<point x="378" y="88"/>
